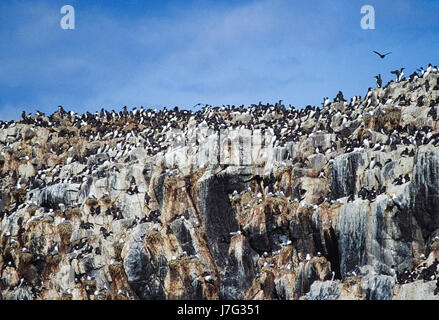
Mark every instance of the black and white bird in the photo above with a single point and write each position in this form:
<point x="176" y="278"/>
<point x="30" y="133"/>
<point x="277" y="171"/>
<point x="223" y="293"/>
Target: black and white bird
<point x="379" y="81"/>
<point x="399" y="74"/>
<point x="428" y="71"/>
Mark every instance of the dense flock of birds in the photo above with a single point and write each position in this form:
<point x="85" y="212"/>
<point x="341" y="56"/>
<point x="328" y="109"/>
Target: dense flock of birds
<point x="420" y="272"/>
<point x="149" y="129"/>
<point x="127" y="130"/>
<point x="156" y="130"/>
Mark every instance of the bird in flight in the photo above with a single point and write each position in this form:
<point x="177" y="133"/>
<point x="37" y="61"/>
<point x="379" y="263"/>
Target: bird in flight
<point x="382" y="56"/>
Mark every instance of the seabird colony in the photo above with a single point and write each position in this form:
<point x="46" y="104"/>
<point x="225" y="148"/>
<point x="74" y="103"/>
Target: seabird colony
<point x="126" y="130"/>
<point x="148" y="129"/>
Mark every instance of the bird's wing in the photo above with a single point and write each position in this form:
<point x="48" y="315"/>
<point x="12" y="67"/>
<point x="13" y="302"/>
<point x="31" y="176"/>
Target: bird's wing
<point x="378" y="53"/>
<point x="387" y="53"/>
<point x="394" y="72"/>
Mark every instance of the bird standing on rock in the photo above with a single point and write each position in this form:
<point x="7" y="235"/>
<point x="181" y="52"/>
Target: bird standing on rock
<point x="379" y="81"/>
<point x="398" y="73"/>
<point x="339" y="97"/>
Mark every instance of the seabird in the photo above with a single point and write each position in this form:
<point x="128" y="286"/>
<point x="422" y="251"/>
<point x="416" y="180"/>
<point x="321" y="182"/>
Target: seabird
<point x="428" y="71"/>
<point x="379" y="81"/>
<point x="268" y="265"/>
<point x="398" y="73"/>
<point x="62" y="207"/>
<point x="54" y="251"/>
<point x="382" y="56"/>
<point x="340" y="97"/>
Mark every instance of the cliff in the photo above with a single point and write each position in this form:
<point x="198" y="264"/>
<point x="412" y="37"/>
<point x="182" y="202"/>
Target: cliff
<point x="266" y="202"/>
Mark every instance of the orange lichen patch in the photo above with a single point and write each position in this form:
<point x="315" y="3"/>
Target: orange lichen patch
<point x="103" y="295"/>
<point x="287" y="279"/>
<point x="322" y="266"/>
<point x="434" y="247"/>
<point x="254" y="292"/>
<point x="25" y="258"/>
<point x="52" y="265"/>
<point x="33" y="224"/>
<point x="48" y="219"/>
<point x="68" y="214"/>
<point x="31" y="210"/>
<point x="257" y="219"/>
<point x="351" y="289"/>
<point x="390" y="120"/>
<point x="65" y="230"/>
<point x="53" y="261"/>
<point x="210" y="291"/>
<point x="178" y="277"/>
<point x="119" y="278"/>
<point x="118" y="247"/>
<point x="91" y="202"/>
<point x="105" y="200"/>
<point x="283" y="177"/>
<point x="369" y="122"/>
<point x="285" y="256"/>
<point x="66" y="296"/>
<point x="121" y="297"/>
<point x="281" y="208"/>
<point x="176" y="201"/>
<point x="154" y="239"/>
<point x="116" y="270"/>
<point x="267" y="285"/>
<point x="19" y="195"/>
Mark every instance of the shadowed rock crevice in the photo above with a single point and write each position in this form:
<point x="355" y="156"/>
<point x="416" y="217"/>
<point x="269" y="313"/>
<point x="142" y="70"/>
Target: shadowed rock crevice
<point x="217" y="214"/>
<point x="425" y="190"/>
<point x="331" y="249"/>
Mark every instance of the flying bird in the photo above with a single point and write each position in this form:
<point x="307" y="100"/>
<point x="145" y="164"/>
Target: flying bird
<point x="382" y="56"/>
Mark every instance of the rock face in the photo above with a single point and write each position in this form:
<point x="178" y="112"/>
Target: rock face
<point x="268" y="202"/>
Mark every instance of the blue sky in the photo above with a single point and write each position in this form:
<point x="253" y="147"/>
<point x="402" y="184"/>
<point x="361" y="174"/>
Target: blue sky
<point x="167" y="53"/>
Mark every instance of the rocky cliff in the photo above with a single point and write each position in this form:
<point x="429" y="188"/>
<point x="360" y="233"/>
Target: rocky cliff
<point x="265" y="202"/>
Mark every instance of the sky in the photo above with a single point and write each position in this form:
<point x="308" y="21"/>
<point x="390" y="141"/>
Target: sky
<point x="179" y="53"/>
